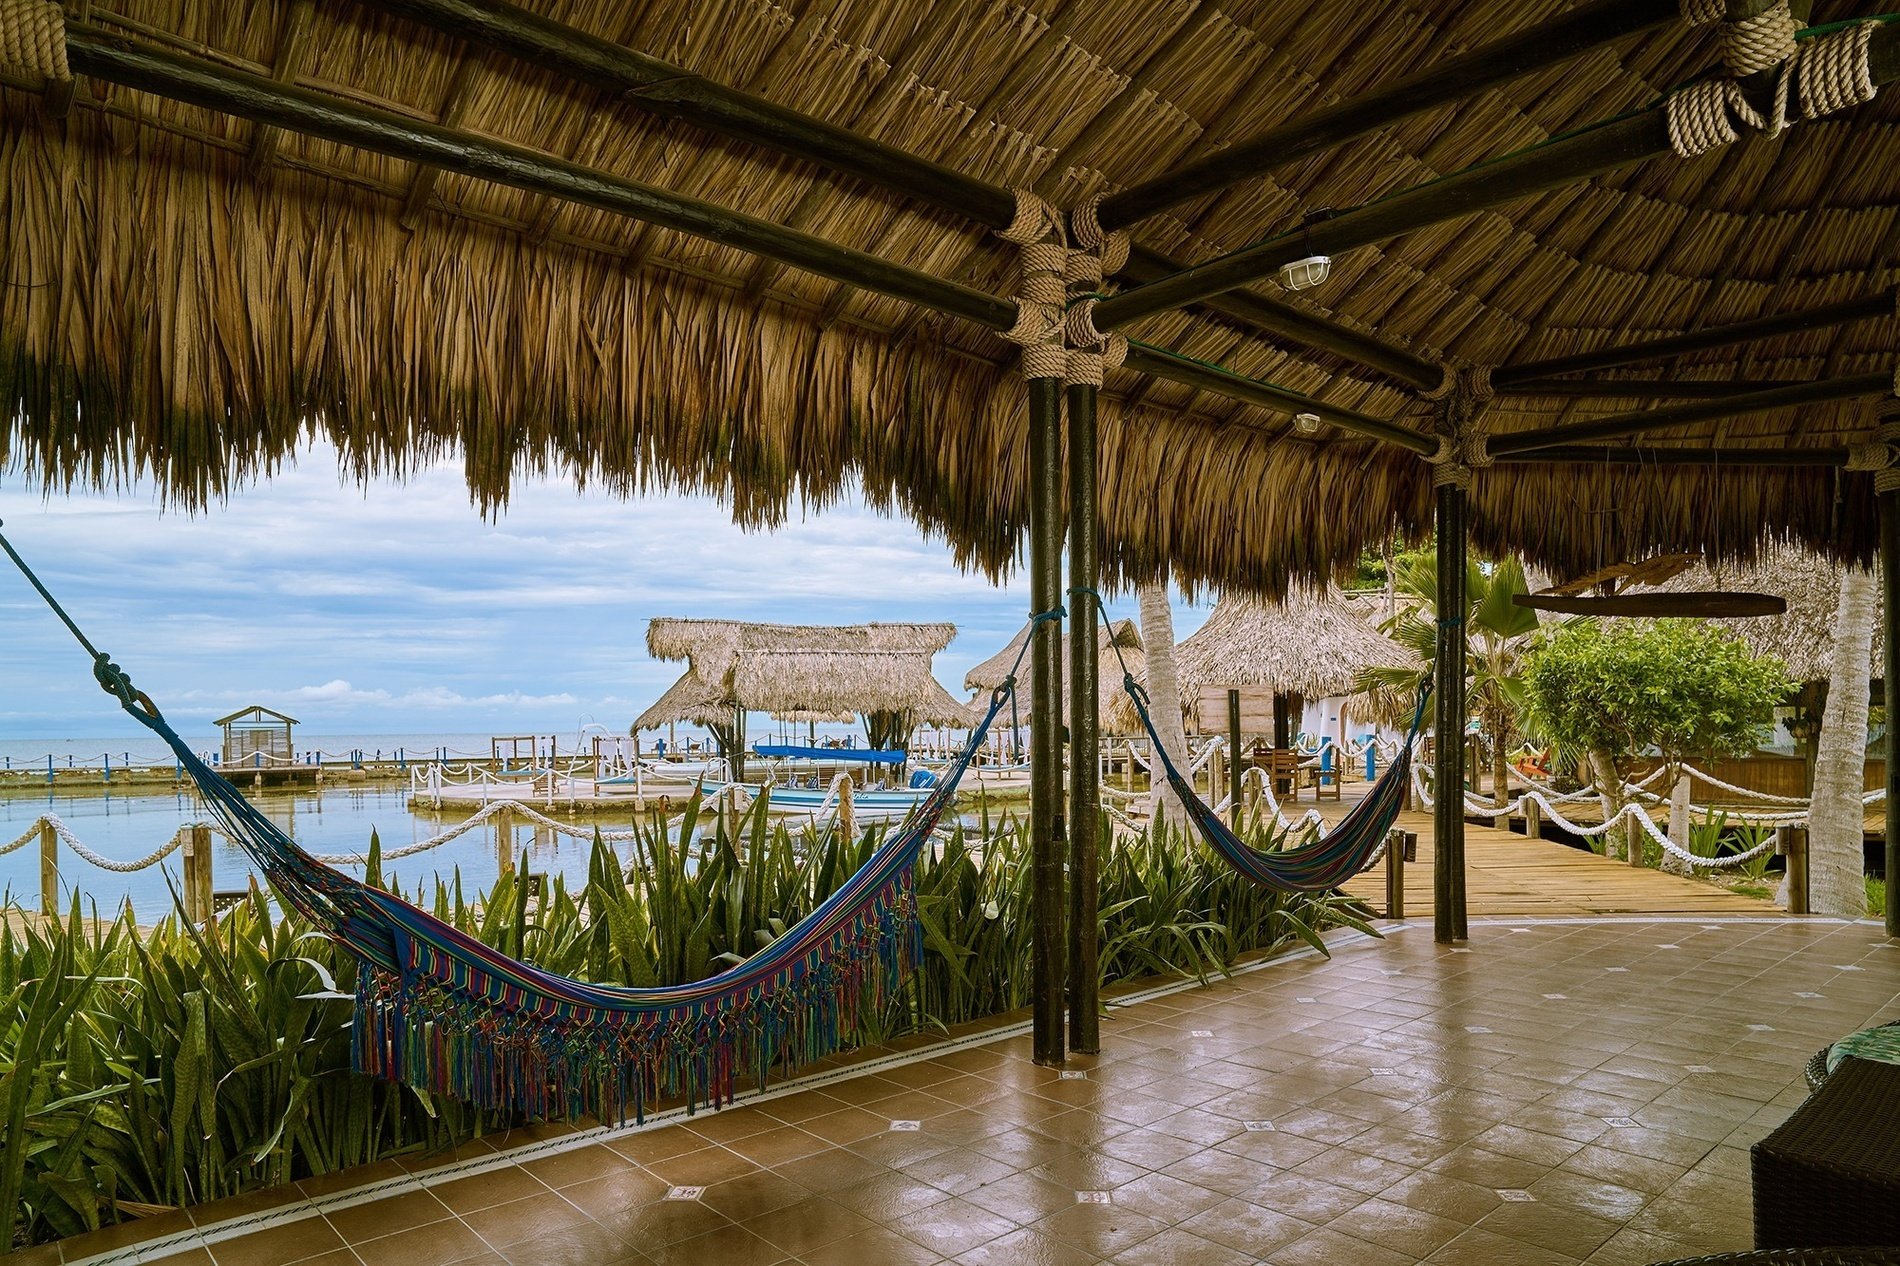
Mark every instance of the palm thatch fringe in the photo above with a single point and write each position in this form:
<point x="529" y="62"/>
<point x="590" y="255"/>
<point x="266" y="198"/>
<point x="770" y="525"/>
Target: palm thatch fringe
<point x="172" y="316"/>
<point x="1803" y="636"/>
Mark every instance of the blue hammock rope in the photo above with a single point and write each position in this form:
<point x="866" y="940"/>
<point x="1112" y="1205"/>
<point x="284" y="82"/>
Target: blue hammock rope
<point x="442" y="1011"/>
<point x="1329" y="860"/>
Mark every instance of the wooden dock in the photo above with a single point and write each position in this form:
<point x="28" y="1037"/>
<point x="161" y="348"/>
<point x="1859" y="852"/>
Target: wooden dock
<point x="1508" y="874"/>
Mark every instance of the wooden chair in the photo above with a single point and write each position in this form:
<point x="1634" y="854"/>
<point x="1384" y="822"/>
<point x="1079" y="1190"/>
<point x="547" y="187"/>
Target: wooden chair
<point x="1282" y="767"/>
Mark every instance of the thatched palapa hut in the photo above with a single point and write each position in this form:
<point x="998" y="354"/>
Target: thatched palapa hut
<point x="1802" y="637"/>
<point x="1309" y="644"/>
<point x="1120" y="635"/>
<point x="1463" y="271"/>
<point x="878" y="672"/>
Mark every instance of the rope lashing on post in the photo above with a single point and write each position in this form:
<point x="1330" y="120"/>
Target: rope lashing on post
<point x="1887" y="477"/>
<point x="1042" y="264"/>
<point x="1819" y="76"/>
<point x="33" y="39"/>
<point x="1097" y="256"/>
<point x="1461" y="439"/>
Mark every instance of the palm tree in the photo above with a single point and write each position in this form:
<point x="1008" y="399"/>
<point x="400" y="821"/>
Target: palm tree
<point x="1164" y="695"/>
<point x="1497" y="632"/>
<point x="1835" y="862"/>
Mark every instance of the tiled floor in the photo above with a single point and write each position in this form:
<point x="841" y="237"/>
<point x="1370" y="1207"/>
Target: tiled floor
<point x="1552" y="1093"/>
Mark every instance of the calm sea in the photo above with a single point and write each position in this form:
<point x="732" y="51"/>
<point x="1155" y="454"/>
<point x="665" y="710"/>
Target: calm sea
<point x="336" y="820"/>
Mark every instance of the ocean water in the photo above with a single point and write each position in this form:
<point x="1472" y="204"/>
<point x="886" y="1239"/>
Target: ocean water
<point x="335" y="820"/>
<point x="92" y="753"/>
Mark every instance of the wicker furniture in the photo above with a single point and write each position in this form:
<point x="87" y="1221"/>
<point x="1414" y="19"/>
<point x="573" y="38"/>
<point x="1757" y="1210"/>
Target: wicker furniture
<point x="1830" y="1174"/>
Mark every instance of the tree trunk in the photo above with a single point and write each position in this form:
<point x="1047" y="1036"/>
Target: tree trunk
<point x="1500" y="780"/>
<point x="1610" y="793"/>
<point x="1164" y="696"/>
<point x="1678" y="826"/>
<point x="1835" y="860"/>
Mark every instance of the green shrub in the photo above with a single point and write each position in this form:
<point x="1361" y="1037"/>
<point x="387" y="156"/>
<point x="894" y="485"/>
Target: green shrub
<point x="169" y="1066"/>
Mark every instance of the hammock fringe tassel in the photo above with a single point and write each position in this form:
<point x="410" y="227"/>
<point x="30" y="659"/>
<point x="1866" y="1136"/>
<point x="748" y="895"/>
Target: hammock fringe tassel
<point x="439" y="1010"/>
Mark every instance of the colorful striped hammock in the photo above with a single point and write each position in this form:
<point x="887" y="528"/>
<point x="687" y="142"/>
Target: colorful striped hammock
<point x="439" y="1010"/>
<point x="1354" y="843"/>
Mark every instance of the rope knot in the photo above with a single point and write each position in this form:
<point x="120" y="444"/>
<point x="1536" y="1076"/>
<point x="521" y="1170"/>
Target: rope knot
<point x="33" y="39"/>
<point x="1041" y="265"/>
<point x="1112" y="248"/>
<point x="1034" y="219"/>
<point x="1822" y="75"/>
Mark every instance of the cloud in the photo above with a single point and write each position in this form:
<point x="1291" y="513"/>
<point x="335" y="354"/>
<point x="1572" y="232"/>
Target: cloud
<point x="393" y="606"/>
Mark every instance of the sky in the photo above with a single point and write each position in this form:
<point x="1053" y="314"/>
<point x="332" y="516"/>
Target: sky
<point x="396" y="608"/>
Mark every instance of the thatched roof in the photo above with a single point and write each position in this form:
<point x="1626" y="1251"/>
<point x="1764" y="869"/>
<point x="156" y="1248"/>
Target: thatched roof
<point x="192" y="297"/>
<point x="803" y="670"/>
<point x="1312" y="643"/>
<point x="691" y="700"/>
<point x="1803" y="636"/>
<point x="1109" y="636"/>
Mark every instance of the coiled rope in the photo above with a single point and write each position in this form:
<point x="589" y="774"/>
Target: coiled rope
<point x="33" y="40"/>
<point x="1819" y="76"/>
<point x="1042" y="264"/>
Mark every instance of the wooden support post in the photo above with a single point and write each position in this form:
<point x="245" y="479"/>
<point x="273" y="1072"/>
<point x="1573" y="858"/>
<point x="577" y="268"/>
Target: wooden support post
<point x="505" y="841"/>
<point x="1533" y="821"/>
<point x="1047" y="829"/>
<point x="1792" y="841"/>
<point x="1448" y="748"/>
<point x="1395" y="874"/>
<point x="49" y="871"/>
<point x="1889" y="499"/>
<point x="207" y="890"/>
<point x="847" y="809"/>
<point x="1085" y="729"/>
<point x="1234" y="770"/>
<point x="1282" y="720"/>
<point x="188" y="897"/>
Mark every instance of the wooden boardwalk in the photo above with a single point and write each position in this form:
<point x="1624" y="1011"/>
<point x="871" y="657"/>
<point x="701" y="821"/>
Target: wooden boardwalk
<point x="1508" y="874"/>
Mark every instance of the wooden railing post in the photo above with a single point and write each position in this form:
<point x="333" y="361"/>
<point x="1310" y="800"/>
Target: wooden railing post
<point x="49" y="871"/>
<point x="1792" y="843"/>
<point x="847" y="810"/>
<point x="1395" y="874"/>
<point x="505" y="841"/>
<point x="189" y="897"/>
<point x="198" y="845"/>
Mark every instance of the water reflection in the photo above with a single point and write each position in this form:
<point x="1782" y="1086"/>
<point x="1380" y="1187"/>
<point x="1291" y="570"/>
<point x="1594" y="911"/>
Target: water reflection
<point x="330" y="821"/>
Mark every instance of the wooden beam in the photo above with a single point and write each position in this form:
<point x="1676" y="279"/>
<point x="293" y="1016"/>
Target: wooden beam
<point x="122" y="61"/>
<point x="1606" y="146"/>
<point x="133" y="64"/>
<point x="468" y="72"/>
<point x="1458" y="78"/>
<point x="292" y="53"/>
<point x="1879" y="384"/>
<point x="1588" y="454"/>
<point x="1867" y="307"/>
<point x="1641" y="388"/>
<point x="1161" y="363"/>
<point x="661" y="88"/>
<point x="1298" y="325"/>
